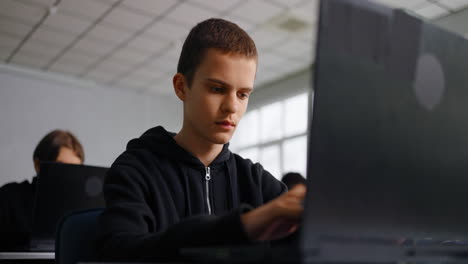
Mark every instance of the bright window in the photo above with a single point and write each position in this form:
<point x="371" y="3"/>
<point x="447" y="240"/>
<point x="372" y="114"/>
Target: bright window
<point x="275" y="135"/>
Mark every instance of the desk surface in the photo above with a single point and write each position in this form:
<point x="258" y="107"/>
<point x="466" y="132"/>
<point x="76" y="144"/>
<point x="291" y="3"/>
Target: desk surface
<point x="27" y="255"/>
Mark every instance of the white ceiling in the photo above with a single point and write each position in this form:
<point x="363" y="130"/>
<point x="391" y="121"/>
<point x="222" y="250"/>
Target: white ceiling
<point x="135" y="44"/>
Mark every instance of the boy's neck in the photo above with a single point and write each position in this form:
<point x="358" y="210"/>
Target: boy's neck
<point x="205" y="151"/>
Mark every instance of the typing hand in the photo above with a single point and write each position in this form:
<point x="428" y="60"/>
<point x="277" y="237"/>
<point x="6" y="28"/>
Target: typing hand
<point x="276" y="219"/>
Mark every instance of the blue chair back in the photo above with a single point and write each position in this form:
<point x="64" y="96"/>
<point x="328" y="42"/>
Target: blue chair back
<point x="76" y="237"/>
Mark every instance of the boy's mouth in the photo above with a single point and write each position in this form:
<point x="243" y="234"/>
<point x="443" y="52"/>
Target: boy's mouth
<point x="226" y="123"/>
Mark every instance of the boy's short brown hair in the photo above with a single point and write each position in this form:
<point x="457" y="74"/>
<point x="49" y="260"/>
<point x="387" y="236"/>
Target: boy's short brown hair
<point x="49" y="146"/>
<point x="213" y="33"/>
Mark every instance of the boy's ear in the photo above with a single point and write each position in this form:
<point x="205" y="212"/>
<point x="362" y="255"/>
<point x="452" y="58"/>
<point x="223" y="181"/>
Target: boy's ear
<point x="179" y="83"/>
<point x="36" y="165"/>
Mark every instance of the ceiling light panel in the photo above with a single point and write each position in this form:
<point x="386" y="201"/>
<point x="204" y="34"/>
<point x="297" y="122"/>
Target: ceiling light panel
<point x="257" y="11"/>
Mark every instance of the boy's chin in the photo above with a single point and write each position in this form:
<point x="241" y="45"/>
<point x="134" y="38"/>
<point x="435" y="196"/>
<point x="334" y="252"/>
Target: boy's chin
<point x="221" y="139"/>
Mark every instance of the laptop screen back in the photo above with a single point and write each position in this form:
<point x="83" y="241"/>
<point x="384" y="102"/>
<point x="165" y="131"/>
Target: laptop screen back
<point x="63" y="188"/>
<point x="388" y="147"/>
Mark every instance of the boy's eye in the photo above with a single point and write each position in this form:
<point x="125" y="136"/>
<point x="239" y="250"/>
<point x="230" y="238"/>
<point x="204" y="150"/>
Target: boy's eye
<point x="217" y="89"/>
<point x="244" y="95"/>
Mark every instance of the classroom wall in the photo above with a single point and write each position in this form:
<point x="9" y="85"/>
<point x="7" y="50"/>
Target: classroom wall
<point x="103" y="118"/>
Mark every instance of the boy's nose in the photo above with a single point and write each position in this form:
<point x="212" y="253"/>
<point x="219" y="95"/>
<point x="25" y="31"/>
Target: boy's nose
<point x="230" y="104"/>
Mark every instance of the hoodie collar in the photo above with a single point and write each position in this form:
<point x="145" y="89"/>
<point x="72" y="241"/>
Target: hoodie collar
<point x="161" y="142"/>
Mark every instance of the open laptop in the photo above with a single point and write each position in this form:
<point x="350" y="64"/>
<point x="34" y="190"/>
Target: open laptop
<point x="62" y="188"/>
<point x="388" y="143"/>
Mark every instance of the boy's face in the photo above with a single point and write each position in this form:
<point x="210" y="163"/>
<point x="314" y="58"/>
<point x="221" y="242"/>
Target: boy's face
<point x="218" y="96"/>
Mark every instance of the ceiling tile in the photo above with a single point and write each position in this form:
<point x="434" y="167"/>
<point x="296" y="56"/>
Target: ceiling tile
<point x="30" y="60"/>
<point x="218" y="5"/>
<point x="292" y="66"/>
<point x="149" y="73"/>
<point x="307" y="11"/>
<point x="269" y="59"/>
<point x="409" y="4"/>
<point x="93" y="47"/>
<point x="13" y="27"/>
<point x="190" y="14"/>
<point x="51" y="37"/>
<point x="14" y="8"/>
<point x="108" y="34"/>
<point x="242" y="23"/>
<point x="161" y="29"/>
<point x="41" y="3"/>
<point x="126" y="19"/>
<point x="5" y="53"/>
<point x="109" y="2"/>
<point x="431" y="11"/>
<point x="154" y="8"/>
<point x="34" y="47"/>
<point x="90" y="9"/>
<point x="147" y="45"/>
<point x="257" y="11"/>
<point x="146" y="74"/>
<point x="288" y="3"/>
<point x="67" y="23"/>
<point x="8" y="42"/>
<point x="266" y="38"/>
<point x="293" y="48"/>
<point x="454" y="4"/>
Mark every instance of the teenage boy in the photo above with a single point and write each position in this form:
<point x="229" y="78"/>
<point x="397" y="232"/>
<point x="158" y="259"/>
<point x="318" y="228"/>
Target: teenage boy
<point x="168" y="191"/>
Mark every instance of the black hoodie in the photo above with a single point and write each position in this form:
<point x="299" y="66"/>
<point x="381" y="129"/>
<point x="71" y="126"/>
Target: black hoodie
<point x="157" y="202"/>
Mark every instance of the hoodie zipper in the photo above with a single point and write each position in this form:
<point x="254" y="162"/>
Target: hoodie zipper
<point x="207" y="184"/>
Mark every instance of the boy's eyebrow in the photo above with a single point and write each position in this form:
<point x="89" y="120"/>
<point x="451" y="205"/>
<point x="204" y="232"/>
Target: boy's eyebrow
<point x="226" y="84"/>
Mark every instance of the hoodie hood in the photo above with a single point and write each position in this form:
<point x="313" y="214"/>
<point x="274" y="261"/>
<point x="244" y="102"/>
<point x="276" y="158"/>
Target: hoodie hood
<point x="161" y="142"/>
